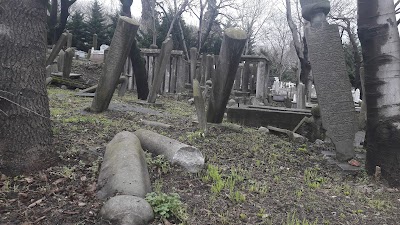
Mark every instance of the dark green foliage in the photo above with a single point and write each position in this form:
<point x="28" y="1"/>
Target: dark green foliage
<point x="111" y="27"/>
<point x="97" y="25"/>
<point x="77" y="26"/>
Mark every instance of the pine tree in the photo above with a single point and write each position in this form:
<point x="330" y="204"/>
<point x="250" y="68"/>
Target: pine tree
<point x="111" y="26"/>
<point x="77" y="26"/>
<point x="97" y="25"/>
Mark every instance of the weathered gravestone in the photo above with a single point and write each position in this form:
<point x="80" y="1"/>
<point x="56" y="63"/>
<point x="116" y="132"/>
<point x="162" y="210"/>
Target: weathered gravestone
<point x="161" y="66"/>
<point x="330" y="77"/>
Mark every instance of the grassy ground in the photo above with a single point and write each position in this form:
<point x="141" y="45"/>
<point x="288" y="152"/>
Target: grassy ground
<point x="249" y="178"/>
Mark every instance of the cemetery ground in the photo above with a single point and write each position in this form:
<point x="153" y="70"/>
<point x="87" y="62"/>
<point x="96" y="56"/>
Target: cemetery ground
<point x="250" y="177"/>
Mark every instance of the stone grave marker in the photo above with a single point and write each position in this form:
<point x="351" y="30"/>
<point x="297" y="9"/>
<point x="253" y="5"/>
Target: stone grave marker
<point x="332" y="85"/>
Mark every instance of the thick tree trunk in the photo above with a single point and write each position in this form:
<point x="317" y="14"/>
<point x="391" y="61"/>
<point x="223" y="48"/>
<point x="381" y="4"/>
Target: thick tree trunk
<point x="139" y="69"/>
<point x="120" y="45"/>
<point x="25" y="130"/>
<point x="64" y="14"/>
<point x="228" y="62"/>
<point x="379" y="39"/>
<point x="53" y="21"/>
<point x="138" y="64"/>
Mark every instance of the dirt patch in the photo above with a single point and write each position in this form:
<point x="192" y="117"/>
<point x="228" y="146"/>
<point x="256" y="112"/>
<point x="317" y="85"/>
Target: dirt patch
<point x="250" y="177"/>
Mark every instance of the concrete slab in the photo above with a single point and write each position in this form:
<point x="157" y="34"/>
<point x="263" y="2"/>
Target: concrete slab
<point x="71" y="75"/>
<point x="266" y="116"/>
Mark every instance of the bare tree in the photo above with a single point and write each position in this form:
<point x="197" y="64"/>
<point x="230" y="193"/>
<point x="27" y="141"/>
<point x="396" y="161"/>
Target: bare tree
<point x="300" y="45"/>
<point x="208" y="18"/>
<point x="276" y="38"/>
<point x="343" y="13"/>
<point x="57" y="22"/>
<point x="252" y="16"/>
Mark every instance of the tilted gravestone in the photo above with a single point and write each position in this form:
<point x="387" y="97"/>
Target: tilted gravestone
<point x="330" y="77"/>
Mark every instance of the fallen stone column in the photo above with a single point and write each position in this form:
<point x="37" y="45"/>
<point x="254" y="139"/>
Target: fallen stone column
<point x="176" y="152"/>
<point x="124" y="169"/>
<point x="126" y="209"/>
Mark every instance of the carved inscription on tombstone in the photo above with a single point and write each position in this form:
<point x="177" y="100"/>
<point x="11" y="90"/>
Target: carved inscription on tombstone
<point x="333" y="88"/>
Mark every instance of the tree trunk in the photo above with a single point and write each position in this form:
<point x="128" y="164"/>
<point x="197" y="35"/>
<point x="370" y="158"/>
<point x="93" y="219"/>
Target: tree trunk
<point x="379" y="39"/>
<point x="302" y="55"/>
<point x="64" y="14"/>
<point x="138" y="64"/>
<point x="228" y="62"/>
<point x="139" y="69"/>
<point x="120" y="45"/>
<point x="146" y="20"/>
<point x="25" y="130"/>
<point x="53" y="21"/>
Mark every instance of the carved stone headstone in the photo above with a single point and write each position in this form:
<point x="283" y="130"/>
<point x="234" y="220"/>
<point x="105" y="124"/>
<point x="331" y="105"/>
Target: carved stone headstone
<point x="330" y="77"/>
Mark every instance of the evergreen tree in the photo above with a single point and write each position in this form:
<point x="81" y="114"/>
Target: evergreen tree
<point x="97" y="25"/>
<point x="111" y="27"/>
<point x="77" y="26"/>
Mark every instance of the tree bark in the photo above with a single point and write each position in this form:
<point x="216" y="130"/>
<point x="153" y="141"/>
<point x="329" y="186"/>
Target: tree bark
<point x="139" y="69"/>
<point x="146" y="20"/>
<point x="53" y="20"/>
<point x="228" y="62"/>
<point x="379" y="39"/>
<point x="119" y="49"/>
<point x="25" y="130"/>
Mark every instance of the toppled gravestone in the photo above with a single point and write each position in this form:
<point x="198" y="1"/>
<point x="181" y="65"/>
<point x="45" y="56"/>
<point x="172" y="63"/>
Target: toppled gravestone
<point x="124" y="169"/>
<point x="176" y="152"/>
<point x="333" y="84"/>
<point x="127" y="210"/>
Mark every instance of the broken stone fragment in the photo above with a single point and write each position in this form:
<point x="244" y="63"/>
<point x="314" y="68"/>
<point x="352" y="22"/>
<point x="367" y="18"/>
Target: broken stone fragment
<point x="127" y="210"/>
<point x="124" y="169"/>
<point x="263" y="130"/>
<point x="176" y="152"/>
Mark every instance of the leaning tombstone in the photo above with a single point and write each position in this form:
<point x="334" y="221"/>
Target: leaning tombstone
<point x="60" y="60"/>
<point x="161" y="65"/>
<point x="68" y="57"/>
<point x="95" y="41"/>
<point x="228" y="63"/>
<point x="120" y="45"/>
<point x="56" y="49"/>
<point x="333" y="84"/>
<point x="69" y="40"/>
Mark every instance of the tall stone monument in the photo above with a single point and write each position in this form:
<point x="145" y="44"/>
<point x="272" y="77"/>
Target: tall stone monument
<point x="332" y="83"/>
